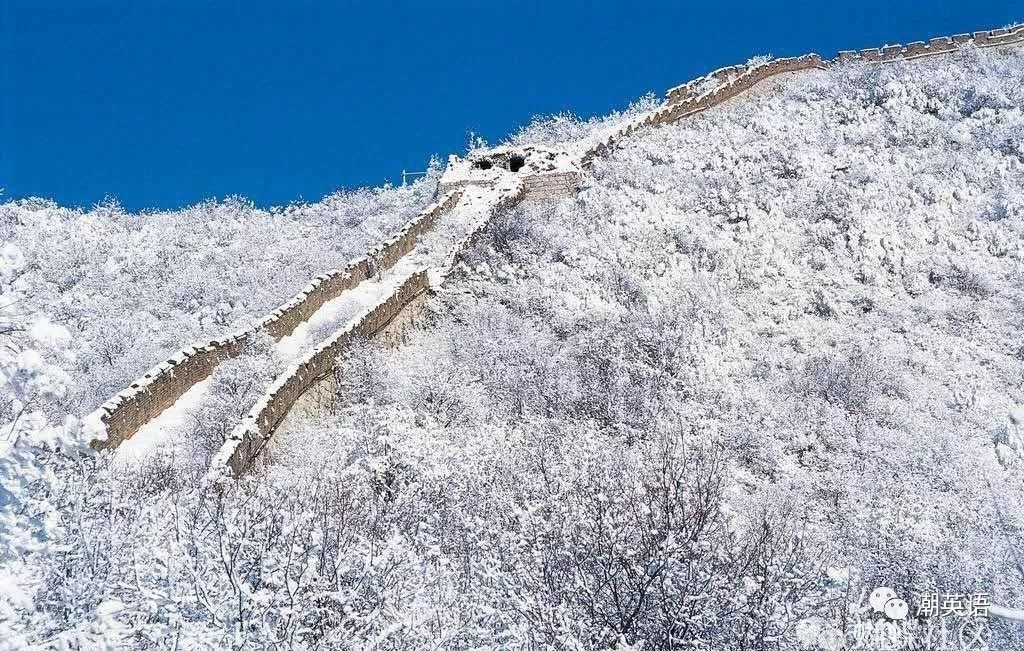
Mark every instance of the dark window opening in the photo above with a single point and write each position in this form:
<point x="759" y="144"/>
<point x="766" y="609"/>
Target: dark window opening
<point x="483" y="164"/>
<point x="516" y="162"/>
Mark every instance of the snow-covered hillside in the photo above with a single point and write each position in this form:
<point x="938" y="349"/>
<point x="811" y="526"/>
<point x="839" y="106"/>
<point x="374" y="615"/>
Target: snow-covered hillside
<point x="132" y="288"/>
<point x="800" y="315"/>
<point x="769" y="359"/>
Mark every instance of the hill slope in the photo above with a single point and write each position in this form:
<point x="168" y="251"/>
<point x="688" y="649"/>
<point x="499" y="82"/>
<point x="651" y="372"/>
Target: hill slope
<point x="766" y="361"/>
<point x="808" y="304"/>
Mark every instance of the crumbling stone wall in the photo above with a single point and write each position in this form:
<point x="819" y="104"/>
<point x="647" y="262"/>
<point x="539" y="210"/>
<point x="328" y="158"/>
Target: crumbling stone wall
<point x="121" y="416"/>
<point x="254" y="432"/>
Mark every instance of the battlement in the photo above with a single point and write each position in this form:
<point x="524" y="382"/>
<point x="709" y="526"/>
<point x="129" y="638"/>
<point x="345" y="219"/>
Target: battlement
<point x="939" y="45"/>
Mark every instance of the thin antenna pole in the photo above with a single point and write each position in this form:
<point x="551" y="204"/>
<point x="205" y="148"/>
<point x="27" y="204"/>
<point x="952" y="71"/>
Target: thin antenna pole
<point x="406" y="174"/>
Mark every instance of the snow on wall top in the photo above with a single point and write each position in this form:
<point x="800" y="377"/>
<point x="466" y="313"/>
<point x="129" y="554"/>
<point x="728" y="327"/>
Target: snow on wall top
<point x="487" y="166"/>
<point x="940" y="45"/>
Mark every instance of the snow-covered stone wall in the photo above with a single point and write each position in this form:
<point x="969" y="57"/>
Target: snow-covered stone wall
<point x="545" y="172"/>
<point x="721" y="85"/>
<point x="256" y="430"/>
<point x="941" y="45"/>
<point x="330" y="285"/>
<point x="119" y="418"/>
<point x="695" y="87"/>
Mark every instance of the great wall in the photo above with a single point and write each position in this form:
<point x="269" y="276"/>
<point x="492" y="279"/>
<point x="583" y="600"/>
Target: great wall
<point x="472" y="190"/>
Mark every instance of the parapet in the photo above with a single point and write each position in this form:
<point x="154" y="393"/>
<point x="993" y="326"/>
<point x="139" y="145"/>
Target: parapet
<point x="934" y="46"/>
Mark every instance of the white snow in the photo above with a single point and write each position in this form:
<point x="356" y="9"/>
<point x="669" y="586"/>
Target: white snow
<point x="536" y="160"/>
<point x="1016" y="614"/>
<point x="338" y="310"/>
<point x="160" y="432"/>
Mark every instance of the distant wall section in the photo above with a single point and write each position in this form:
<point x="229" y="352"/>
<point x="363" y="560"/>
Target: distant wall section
<point x="721" y="85"/>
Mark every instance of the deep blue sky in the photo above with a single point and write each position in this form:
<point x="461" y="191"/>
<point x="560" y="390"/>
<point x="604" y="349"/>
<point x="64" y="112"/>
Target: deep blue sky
<point x="163" y="103"/>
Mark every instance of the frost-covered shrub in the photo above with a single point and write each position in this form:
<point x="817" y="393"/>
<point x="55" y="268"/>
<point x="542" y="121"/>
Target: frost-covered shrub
<point x="35" y="445"/>
<point x="235" y="385"/>
<point x="854" y="380"/>
<point x="617" y="559"/>
<point x="568" y="130"/>
<point x="969" y="282"/>
<point x="506" y="231"/>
